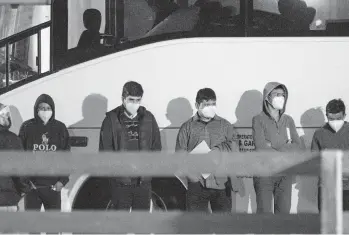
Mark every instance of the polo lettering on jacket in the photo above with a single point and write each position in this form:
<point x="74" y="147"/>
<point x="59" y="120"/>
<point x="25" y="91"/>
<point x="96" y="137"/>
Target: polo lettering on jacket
<point x="44" y="146"/>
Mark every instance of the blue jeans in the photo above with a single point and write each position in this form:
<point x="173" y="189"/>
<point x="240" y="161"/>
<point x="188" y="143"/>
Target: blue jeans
<point x="279" y="188"/>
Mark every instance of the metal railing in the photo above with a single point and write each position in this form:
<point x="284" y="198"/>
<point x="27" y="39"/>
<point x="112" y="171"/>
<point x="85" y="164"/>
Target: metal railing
<point x="6" y="42"/>
<point x="329" y="165"/>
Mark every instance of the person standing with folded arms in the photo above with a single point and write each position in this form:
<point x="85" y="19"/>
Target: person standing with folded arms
<point x="274" y="131"/>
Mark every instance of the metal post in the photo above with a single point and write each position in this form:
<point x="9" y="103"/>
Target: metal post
<point x="7" y="69"/>
<point x="51" y="39"/>
<point x="120" y="19"/>
<point x="39" y="52"/>
<point x="246" y="13"/>
<point x="331" y="193"/>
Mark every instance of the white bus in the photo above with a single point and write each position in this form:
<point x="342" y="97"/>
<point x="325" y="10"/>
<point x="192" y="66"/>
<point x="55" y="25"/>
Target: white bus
<point x="174" y="48"/>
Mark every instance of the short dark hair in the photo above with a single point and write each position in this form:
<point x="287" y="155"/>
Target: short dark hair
<point x="335" y="106"/>
<point x="132" y="89"/>
<point x="205" y="94"/>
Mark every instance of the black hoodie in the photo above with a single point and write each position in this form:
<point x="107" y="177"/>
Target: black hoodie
<point x="51" y="137"/>
<point x="10" y="187"/>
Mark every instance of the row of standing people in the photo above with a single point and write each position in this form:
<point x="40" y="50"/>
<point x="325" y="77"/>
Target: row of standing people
<point x="131" y="127"/>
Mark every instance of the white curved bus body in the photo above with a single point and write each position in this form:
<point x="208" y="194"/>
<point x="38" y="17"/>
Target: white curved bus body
<point x="314" y="70"/>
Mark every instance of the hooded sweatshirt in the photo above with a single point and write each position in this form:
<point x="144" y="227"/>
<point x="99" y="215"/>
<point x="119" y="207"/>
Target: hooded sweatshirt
<point x="115" y="135"/>
<point x="10" y="187"/>
<point x="271" y="135"/>
<point x="51" y="137"/>
<point x="326" y="138"/>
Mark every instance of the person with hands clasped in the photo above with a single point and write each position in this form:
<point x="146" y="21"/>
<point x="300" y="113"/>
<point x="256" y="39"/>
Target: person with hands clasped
<point x="274" y="131"/>
<point x="45" y="134"/>
<point x="203" y="133"/>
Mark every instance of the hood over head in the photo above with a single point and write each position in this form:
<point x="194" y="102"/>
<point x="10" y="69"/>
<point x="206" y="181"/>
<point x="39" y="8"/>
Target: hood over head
<point x="5" y="117"/>
<point x="266" y="92"/>
<point x="44" y="98"/>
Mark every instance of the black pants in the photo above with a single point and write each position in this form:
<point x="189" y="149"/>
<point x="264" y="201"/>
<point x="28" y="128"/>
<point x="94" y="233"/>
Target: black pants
<point x="136" y="196"/>
<point x="50" y="198"/>
<point x="198" y="198"/>
<point x="345" y="199"/>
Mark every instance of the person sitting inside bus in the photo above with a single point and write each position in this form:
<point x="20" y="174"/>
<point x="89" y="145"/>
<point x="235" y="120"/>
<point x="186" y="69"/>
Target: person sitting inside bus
<point x="131" y="128"/>
<point x="298" y="13"/>
<point x="45" y="134"/>
<point x="333" y="135"/>
<point x="91" y="37"/>
<point x="203" y="133"/>
<point x="11" y="188"/>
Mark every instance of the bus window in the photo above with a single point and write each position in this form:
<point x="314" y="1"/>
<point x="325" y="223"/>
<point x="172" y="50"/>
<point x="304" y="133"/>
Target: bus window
<point x="76" y="26"/>
<point x="200" y="17"/>
<point x="297" y="17"/>
<point x="97" y="28"/>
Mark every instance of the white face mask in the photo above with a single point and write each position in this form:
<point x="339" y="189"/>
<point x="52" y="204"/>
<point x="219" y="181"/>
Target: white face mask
<point x="132" y="108"/>
<point x="45" y="116"/>
<point x="336" y="125"/>
<point x="278" y="102"/>
<point x="209" y="111"/>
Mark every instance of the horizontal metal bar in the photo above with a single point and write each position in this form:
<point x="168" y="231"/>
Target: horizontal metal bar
<point x="177" y="127"/>
<point x="90" y="222"/>
<point x="25" y="2"/>
<point x="160" y="164"/>
<point x="24" y="34"/>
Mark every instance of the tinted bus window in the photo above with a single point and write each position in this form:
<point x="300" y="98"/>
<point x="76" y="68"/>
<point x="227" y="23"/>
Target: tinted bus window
<point x="300" y="18"/>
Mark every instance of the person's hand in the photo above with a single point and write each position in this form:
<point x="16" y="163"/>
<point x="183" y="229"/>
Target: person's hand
<point x="268" y="143"/>
<point x="58" y="186"/>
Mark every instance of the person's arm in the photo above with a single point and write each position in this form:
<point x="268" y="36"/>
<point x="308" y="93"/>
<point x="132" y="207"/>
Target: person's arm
<point x="182" y="147"/>
<point x="66" y="148"/>
<point x="261" y="144"/>
<point x="106" y="136"/>
<point x="22" y="136"/>
<point x="315" y="145"/>
<point x="230" y="145"/>
<point x="156" y="138"/>
<point x="21" y="183"/>
<point x="296" y="144"/>
<point x="66" y="139"/>
<point x="182" y="139"/>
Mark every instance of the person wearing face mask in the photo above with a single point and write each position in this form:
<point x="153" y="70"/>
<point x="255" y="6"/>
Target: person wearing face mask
<point x="208" y="129"/>
<point x="274" y="131"/>
<point x="44" y="133"/>
<point x="11" y="188"/>
<point x="130" y="128"/>
<point x="333" y="135"/>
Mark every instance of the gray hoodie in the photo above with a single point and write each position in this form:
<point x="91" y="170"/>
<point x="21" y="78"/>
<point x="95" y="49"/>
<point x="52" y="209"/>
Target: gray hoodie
<point x="270" y="135"/>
